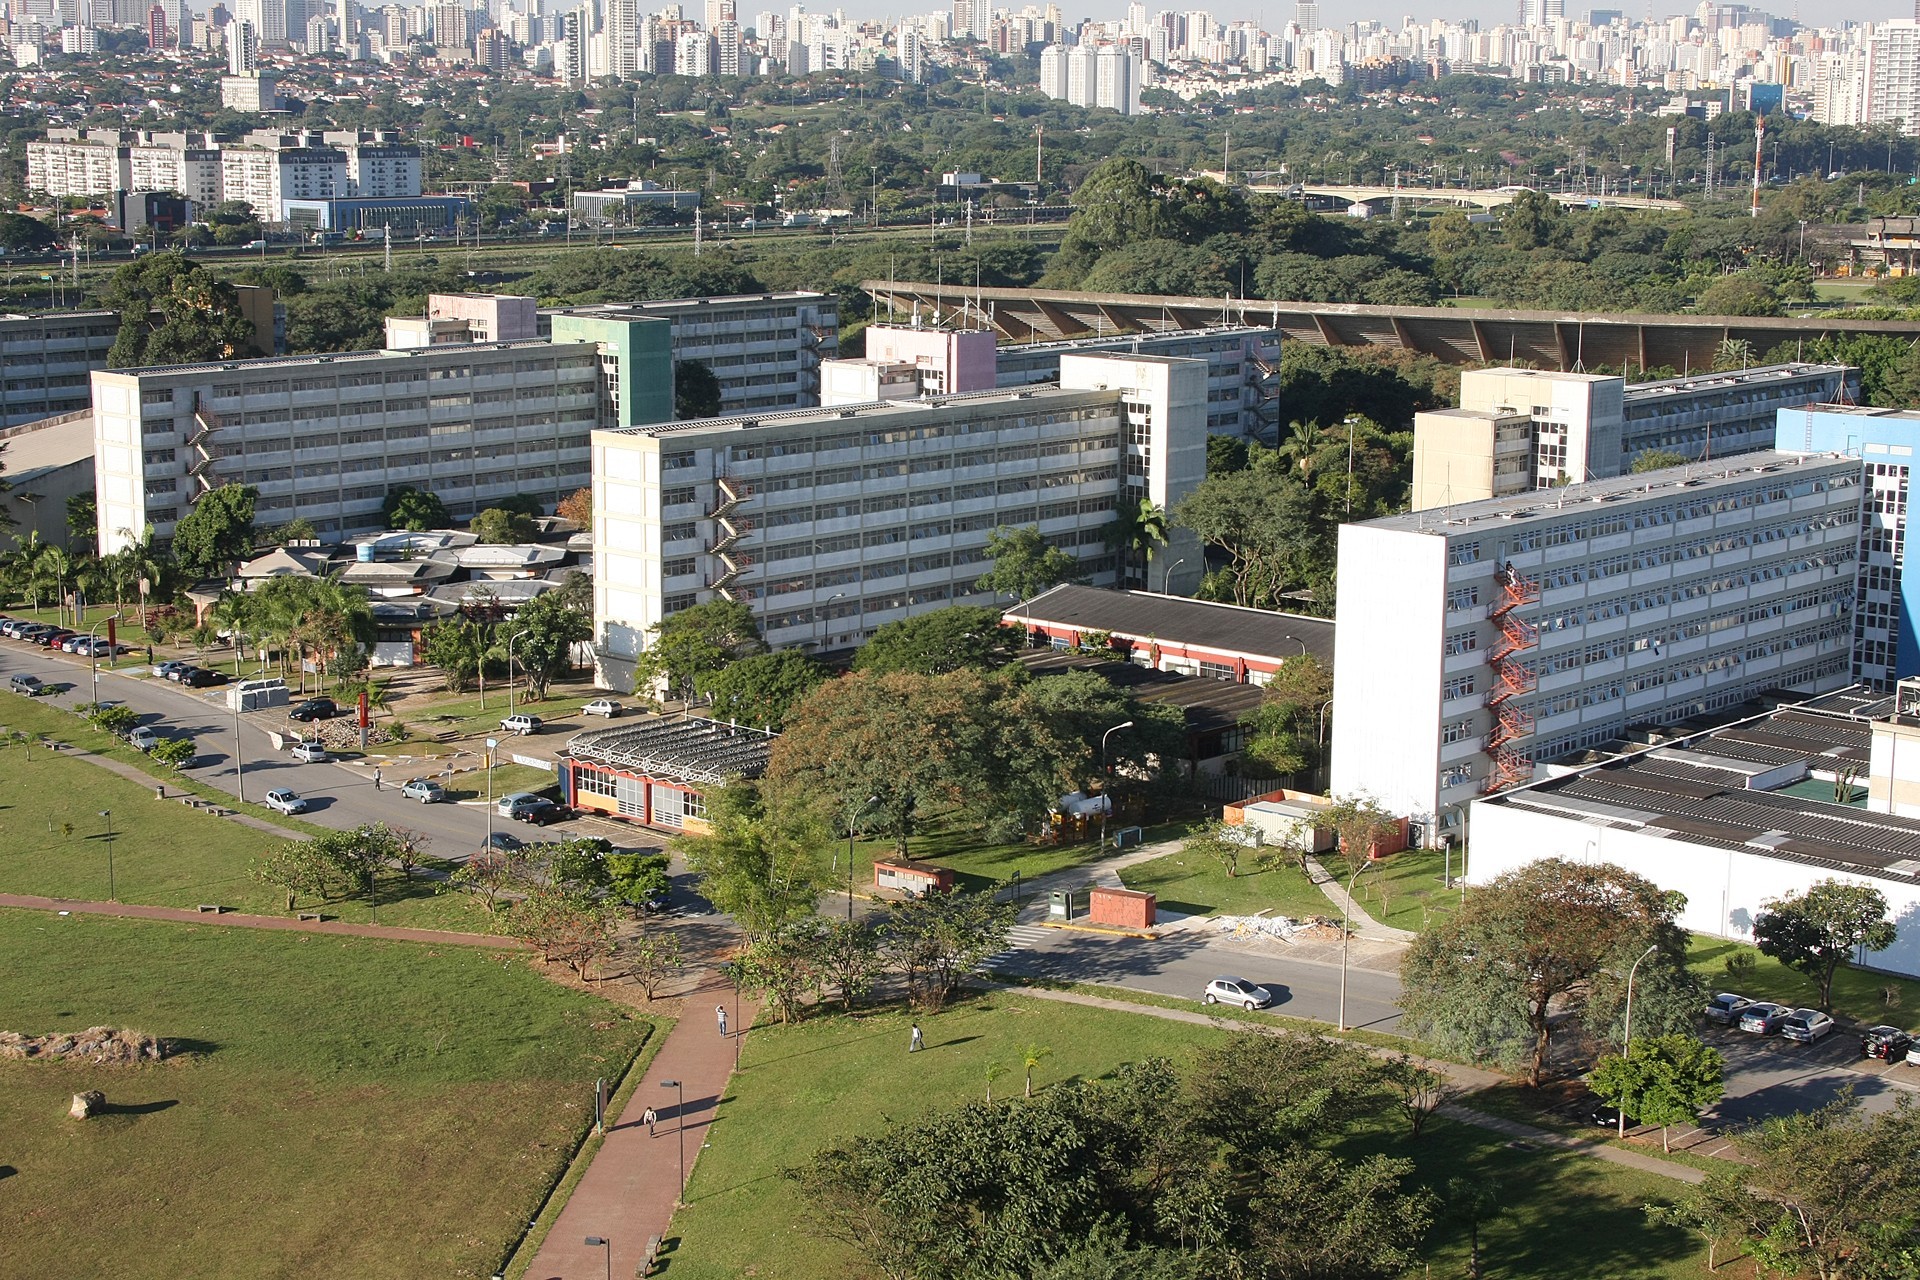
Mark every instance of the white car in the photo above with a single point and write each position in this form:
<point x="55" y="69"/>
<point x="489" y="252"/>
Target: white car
<point x="310" y="753"/>
<point x="142" y="738"/>
<point x="602" y="707"/>
<point x="1248" y="995"/>
<point x="281" y="800"/>
<point x="520" y="724"/>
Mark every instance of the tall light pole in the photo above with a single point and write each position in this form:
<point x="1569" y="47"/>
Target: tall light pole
<point x="1106" y="794"/>
<point x="1346" y="935"/>
<point x="510" y="643"/>
<point x="602" y="1242"/>
<point x="491" y="744"/>
<point x="112" y="894"/>
<point x="239" y="761"/>
<point x="1297" y="640"/>
<point x="680" y="1127"/>
<point x="1626" y="1039"/>
<point x="1166" y="579"/>
<point x="93" y="635"/>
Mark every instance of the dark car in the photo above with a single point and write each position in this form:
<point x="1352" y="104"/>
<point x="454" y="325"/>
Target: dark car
<point x="314" y="709"/>
<point x="1888" y="1043"/>
<point x="524" y="806"/>
<point x="176" y="671"/>
<point x="201" y="678"/>
<point x="52" y="639"/>
<point x="1605" y="1114"/>
<point x="503" y="842"/>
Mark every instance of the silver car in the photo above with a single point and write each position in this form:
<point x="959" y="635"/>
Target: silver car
<point x="1763" y="1018"/>
<point x="1726" y="1008"/>
<point x="1248" y="995"/>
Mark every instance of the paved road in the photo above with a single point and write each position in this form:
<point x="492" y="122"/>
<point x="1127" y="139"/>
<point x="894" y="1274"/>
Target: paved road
<point x="339" y="796"/>
<point x="1768" y="1075"/>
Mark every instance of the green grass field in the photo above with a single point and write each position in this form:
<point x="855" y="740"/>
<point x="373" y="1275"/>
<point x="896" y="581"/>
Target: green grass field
<point x="809" y="1086"/>
<point x="1201" y="886"/>
<point x="1857" y="993"/>
<point x="979" y="865"/>
<point x="1407" y="889"/>
<point x="353" y="1108"/>
<point x="53" y="841"/>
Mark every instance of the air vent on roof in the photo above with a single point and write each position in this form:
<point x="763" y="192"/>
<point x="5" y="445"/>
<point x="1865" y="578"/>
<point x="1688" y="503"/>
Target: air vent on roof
<point x="1520" y="513"/>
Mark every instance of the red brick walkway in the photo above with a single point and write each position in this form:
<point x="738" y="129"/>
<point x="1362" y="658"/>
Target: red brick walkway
<point x="243" y="921"/>
<point x="628" y="1193"/>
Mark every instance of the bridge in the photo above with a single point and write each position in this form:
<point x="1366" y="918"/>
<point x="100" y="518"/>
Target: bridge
<point x="1457" y="335"/>
<point x="1480" y="198"/>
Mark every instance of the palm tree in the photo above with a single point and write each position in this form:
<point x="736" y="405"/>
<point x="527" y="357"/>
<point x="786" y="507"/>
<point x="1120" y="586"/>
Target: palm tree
<point x="1297" y="446"/>
<point x="55" y="565"/>
<point x="233" y="612"/>
<point x="1138" y="527"/>
<point x="1030" y="1057"/>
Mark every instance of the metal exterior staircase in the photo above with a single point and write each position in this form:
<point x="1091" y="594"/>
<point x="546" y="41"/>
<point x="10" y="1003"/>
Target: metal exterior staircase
<point x="1513" y="676"/>
<point x="732" y="529"/>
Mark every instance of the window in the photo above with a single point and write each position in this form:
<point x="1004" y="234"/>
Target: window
<point x="1463" y="553"/>
<point x="1463" y="598"/>
<point x="1456" y="730"/>
<point x="1462" y="642"/>
<point x="1458" y="687"/>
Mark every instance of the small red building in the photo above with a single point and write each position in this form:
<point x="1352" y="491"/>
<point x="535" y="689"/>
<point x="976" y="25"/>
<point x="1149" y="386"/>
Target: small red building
<point x="1121" y="908"/>
<point x="905" y="876"/>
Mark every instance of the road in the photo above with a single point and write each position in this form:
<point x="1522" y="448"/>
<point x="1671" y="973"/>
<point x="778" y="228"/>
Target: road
<point x="338" y="795"/>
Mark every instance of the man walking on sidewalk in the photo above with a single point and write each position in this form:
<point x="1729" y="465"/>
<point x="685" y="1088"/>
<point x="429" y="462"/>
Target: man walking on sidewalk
<point x="720" y="1012"/>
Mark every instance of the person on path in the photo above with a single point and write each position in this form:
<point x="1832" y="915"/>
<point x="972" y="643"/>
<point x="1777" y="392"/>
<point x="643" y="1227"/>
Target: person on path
<point x="916" y="1044"/>
<point x="720" y="1012"/>
<point x="650" y="1118"/>
<point x="377" y="784"/>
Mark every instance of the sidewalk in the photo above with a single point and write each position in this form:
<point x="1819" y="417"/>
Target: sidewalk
<point x="627" y="1196"/>
<point x="1363" y="925"/>
<point x="240" y="920"/>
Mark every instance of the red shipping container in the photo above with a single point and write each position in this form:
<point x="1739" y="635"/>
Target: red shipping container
<point x="1121" y="908"/>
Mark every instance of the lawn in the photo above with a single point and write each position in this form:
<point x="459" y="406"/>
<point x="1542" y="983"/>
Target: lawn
<point x="1199" y="886"/>
<point x="1857" y="993"/>
<point x="808" y="1086"/>
<point x="1405" y="890"/>
<point x="353" y="1108"/>
<point x="53" y="841"/>
<point x="464" y="715"/>
<point x="978" y="865"/>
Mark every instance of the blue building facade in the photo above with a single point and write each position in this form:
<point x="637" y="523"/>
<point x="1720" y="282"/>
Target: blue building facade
<point x="1886" y="644"/>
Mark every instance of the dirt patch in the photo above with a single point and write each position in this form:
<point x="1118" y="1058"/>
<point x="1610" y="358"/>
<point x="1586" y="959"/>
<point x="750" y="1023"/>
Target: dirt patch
<point x="99" y="1045"/>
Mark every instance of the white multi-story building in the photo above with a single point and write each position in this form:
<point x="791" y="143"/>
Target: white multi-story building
<point x="1893" y="75"/>
<point x="268" y="18"/>
<point x="1053" y="72"/>
<point x="45" y="361"/>
<point x="1117" y="80"/>
<point x="831" y="522"/>
<point x="243" y="48"/>
<point x="1517" y="630"/>
<point x="693" y="54"/>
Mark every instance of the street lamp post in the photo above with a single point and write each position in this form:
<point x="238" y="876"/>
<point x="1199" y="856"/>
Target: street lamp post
<point x="680" y="1128"/>
<point x="491" y="744"/>
<point x="93" y="634"/>
<point x="1626" y="1038"/>
<point x="1346" y="935"/>
<point x="510" y="643"/>
<point x="602" y="1242"/>
<point x="1297" y="640"/>
<point x="112" y="893"/>
<point x="1166" y="579"/>
<point x="1107" y="795"/>
<point x="239" y="761"/>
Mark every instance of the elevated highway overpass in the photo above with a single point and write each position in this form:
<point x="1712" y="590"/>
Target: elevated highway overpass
<point x="1457" y="335"/>
<point x="1479" y="198"/>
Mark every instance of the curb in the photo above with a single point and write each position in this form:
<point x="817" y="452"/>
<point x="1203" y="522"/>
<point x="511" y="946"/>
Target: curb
<point x="1110" y="930"/>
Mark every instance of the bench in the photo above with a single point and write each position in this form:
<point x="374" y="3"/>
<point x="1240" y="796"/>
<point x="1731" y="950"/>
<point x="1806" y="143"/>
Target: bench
<point x="213" y="907"/>
<point x="312" y="917"/>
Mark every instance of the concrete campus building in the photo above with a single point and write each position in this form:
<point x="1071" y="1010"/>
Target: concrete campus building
<point x="326" y="437"/>
<point x="45" y="361"/>
<point x="1520" y="629"/>
<point x="831" y="522"/>
<point x="1523" y="429"/>
<point x="1739" y="815"/>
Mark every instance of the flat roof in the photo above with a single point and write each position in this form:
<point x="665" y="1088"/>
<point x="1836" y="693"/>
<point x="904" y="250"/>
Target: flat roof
<point x="33" y="448"/>
<point x="1757" y="376"/>
<point x="1199" y="624"/>
<point x="1696" y="790"/>
<point x="1668" y="482"/>
<point x="1862" y="411"/>
<point x="452" y="351"/>
<point x="1210" y="706"/>
<point x="662" y="304"/>
<point x="874" y="409"/>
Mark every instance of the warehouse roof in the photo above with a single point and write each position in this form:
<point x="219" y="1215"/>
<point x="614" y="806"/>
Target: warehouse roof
<point x="1196" y="624"/>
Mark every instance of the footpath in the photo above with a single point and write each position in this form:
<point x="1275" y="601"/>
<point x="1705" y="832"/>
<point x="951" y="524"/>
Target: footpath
<point x="241" y="920"/>
<point x="629" y="1192"/>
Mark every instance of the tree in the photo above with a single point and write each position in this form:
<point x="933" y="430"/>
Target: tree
<point x="294" y="867"/>
<point x="761" y="868"/>
<point x="1532" y="219"/>
<point x="1025" y="563"/>
<point x="1031" y="1056"/>
<point x="1138" y="527"/>
<point x="653" y="957"/>
<point x="779" y="966"/>
<point x="577" y="507"/>
<point x="1474" y="1202"/>
<point x="938" y="940"/>
<point x="456" y="647"/>
<point x="217" y="533"/>
<point x="847" y="959"/>
<point x="1543" y="950"/>
<point x="1656" y="460"/>
<point x="1663" y="1080"/>
<point x="550" y="626"/>
<point x="1827" y="1192"/>
<point x="497" y="526"/>
<point x="175" y="752"/>
<point x="173" y="311"/>
<point x="1320" y="1216"/>
<point x="1285" y="733"/>
<point x="696" y="391"/>
<point x="83" y="520"/>
<point x="637" y="878"/>
<point x="762" y="688"/>
<point x="1265" y="523"/>
<point x="576" y="931"/>
<point x="1420" y="1090"/>
<point x="1215" y="841"/>
<point x="1739" y="295"/>
<point x="114" y="718"/>
<point x="684" y="646"/>
<point x="493" y="871"/>
<point x="957" y="638"/>
<point x="1815" y="931"/>
<point x="21" y="234"/>
<point x="576" y="867"/>
<point x="1081" y="707"/>
<point x="407" y="507"/>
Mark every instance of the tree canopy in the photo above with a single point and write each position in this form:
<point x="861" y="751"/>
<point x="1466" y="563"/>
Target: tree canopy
<point x="958" y="638"/>
<point x="408" y="507"/>
<point x="698" y="641"/>
<point x="1816" y="931"/>
<point x="217" y="533"/>
<point x="173" y="311"/>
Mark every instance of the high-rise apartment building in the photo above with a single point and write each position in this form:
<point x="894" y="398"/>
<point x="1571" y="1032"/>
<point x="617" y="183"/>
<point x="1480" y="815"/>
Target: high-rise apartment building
<point x="1117" y="80"/>
<point x="269" y="19"/>
<point x="243" y="47"/>
<point x="831" y="522"/>
<point x="1893" y="75"/>
<point x="1053" y="72"/>
<point x="1518" y="630"/>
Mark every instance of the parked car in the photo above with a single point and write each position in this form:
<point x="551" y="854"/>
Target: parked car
<point x="602" y="707"/>
<point x="1806" y="1026"/>
<point x="142" y="738"/>
<point x="1890" y="1044"/>
<point x="1763" y="1018"/>
<point x="521" y="724"/>
<point x="524" y="806"/>
<point x="202" y="678"/>
<point x="1248" y="995"/>
<point x="310" y="753"/>
<point x="50" y="640"/>
<point x="178" y="671"/>
<point x="72" y="643"/>
<point x="166" y="670"/>
<point x="503" y="842"/>
<point x="28" y="685"/>
<point x="281" y="800"/>
<point x="1726" y="1008"/>
<point x="315" y="709"/>
<point x="1605" y="1114"/>
<point x="425" y="790"/>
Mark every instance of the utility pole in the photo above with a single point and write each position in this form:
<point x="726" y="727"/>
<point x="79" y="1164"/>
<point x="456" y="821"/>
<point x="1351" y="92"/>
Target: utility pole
<point x="1039" y="155"/>
<point x="1759" y="155"/>
<point x="388" y="237"/>
<point x="696" y="231"/>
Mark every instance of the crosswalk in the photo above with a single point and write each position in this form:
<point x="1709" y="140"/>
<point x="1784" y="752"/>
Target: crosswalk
<point x="1021" y="937"/>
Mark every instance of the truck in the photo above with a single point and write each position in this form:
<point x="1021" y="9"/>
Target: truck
<point x="801" y="220"/>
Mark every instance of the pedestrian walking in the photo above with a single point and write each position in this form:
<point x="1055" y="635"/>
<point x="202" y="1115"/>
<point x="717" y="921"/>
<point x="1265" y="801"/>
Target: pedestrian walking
<point x="720" y="1012"/>
<point x="916" y="1044"/>
<point x="377" y="784"/>
<point x="650" y="1118"/>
